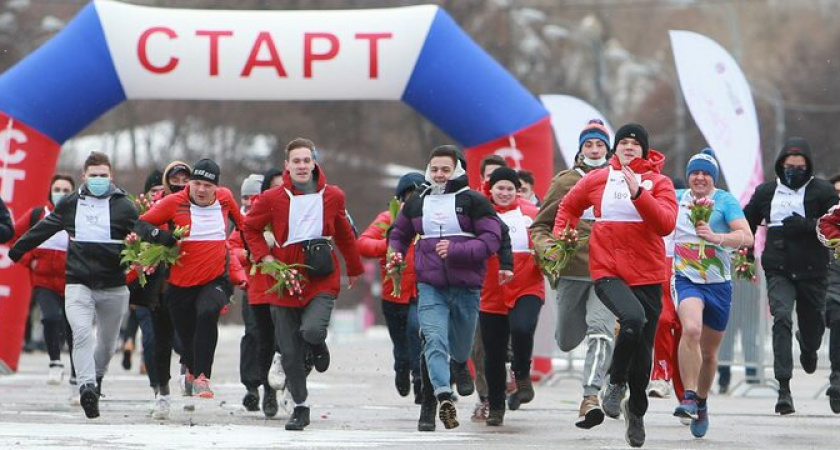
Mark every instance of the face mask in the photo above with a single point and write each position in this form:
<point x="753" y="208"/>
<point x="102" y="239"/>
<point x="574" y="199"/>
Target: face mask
<point x="595" y="162"/>
<point x="98" y="186"/>
<point x="175" y="188"/>
<point x="56" y="197"/>
<point x="795" y="177"/>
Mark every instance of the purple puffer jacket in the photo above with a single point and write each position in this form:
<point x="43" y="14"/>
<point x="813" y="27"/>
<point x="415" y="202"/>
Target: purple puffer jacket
<point x="466" y="263"/>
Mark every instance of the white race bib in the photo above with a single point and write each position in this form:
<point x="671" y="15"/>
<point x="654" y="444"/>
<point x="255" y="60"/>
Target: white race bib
<point x="93" y="220"/>
<point x="207" y="223"/>
<point x="785" y="202"/>
<point x="306" y="217"/>
<point x="440" y="219"/>
<point x="518" y="224"/>
<point x="616" y="205"/>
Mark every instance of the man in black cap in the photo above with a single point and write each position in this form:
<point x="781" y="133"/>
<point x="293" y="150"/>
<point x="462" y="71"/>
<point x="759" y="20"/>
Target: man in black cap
<point x="795" y="262"/>
<point x="200" y="283"/>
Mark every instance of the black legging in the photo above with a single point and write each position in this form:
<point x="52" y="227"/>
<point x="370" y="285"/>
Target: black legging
<point x="257" y="347"/>
<point x="195" y="315"/>
<point x="637" y="309"/>
<point x="56" y="328"/>
<point x="518" y="327"/>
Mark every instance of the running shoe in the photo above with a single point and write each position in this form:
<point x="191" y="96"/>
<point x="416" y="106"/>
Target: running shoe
<point x="480" y="412"/>
<point x="201" y="387"/>
<point x="524" y="393"/>
<point x="321" y="357"/>
<point x="269" y="403"/>
<point x="611" y="399"/>
<point x="89" y="399"/>
<point x="402" y="381"/>
<point x="56" y="373"/>
<point x="299" y="419"/>
<point x="784" y="405"/>
<point x="428" y="410"/>
<point x="635" y="433"/>
<point x="590" y="414"/>
<point x="496" y="417"/>
<point x="448" y="414"/>
<point x="659" y="389"/>
<point x="700" y="425"/>
<point x="687" y="408"/>
<point x="161" y="407"/>
<point x="833" y="394"/>
<point x="251" y="400"/>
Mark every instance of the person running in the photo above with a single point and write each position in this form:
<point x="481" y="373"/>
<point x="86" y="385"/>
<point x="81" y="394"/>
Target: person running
<point x="702" y="282"/>
<point x="459" y="231"/>
<point x="48" y="264"/>
<point x="400" y="310"/>
<point x="634" y="208"/>
<point x="828" y="228"/>
<point x="794" y="261"/>
<point x="257" y="344"/>
<point x="307" y="218"/>
<point x="201" y="283"/>
<point x="509" y="311"/>
<point x="97" y="217"/>
<point x="526" y="177"/>
<point x="580" y="315"/>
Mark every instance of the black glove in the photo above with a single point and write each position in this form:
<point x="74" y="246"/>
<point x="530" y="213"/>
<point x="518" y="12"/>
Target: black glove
<point x="15" y="255"/>
<point x="797" y="224"/>
<point x="163" y="237"/>
<point x="751" y="254"/>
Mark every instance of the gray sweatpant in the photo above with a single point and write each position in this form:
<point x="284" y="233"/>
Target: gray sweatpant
<point x="83" y="307"/>
<point x="294" y="330"/>
<point x="580" y="314"/>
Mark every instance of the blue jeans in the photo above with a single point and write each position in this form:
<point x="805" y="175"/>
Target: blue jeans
<point x="404" y="329"/>
<point x="447" y="319"/>
<point x="144" y="319"/>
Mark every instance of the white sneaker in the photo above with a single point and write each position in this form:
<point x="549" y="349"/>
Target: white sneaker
<point x="659" y="389"/>
<point x="276" y="375"/>
<point x="73" y="398"/>
<point x="161" y="410"/>
<point x="56" y="374"/>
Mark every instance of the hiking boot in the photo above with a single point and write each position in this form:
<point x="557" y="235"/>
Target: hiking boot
<point x="687" y="408"/>
<point x="269" y="403"/>
<point x="402" y="380"/>
<point x="160" y="411"/>
<point x="276" y="375"/>
<point x="590" y="414"/>
<point x="321" y="357"/>
<point x="251" y="401"/>
<point x="481" y="411"/>
<point x="56" y="373"/>
<point x="659" y="389"/>
<point x="784" y="405"/>
<point x="524" y="393"/>
<point x="89" y="399"/>
<point x="833" y="394"/>
<point x="611" y="400"/>
<point x="496" y="417"/>
<point x="201" y="387"/>
<point x="700" y="425"/>
<point x="462" y="378"/>
<point x="807" y="359"/>
<point x="635" y="434"/>
<point x="447" y="412"/>
<point x="299" y="419"/>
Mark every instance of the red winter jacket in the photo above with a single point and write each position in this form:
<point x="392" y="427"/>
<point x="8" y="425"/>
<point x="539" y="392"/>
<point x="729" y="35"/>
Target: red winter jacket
<point x="372" y="244"/>
<point x="202" y="260"/>
<point x="828" y="226"/>
<point x="272" y="208"/>
<point x="527" y="278"/>
<point x="47" y="266"/>
<point x="257" y="283"/>
<point x="632" y="251"/>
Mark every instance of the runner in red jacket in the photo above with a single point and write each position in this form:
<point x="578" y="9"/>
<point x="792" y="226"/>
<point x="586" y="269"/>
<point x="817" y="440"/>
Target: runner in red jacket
<point x="510" y="307"/>
<point x="200" y="282"/>
<point x="306" y="215"/>
<point x="400" y="311"/>
<point x="634" y="206"/>
<point x="47" y="265"/>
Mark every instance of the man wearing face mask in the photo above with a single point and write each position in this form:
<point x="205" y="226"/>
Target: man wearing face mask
<point x="579" y="312"/>
<point x="97" y="217"/>
<point x="795" y="262"/>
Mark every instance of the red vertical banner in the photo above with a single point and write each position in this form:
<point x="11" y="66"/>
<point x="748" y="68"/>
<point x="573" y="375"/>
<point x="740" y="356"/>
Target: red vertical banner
<point x="27" y="162"/>
<point x="531" y="148"/>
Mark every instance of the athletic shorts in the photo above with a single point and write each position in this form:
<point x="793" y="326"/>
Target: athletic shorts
<point x="716" y="297"/>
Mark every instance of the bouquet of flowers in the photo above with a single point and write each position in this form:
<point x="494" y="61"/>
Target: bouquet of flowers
<point x="288" y="278"/>
<point x="700" y="210"/>
<point x="744" y="267"/>
<point x="145" y="257"/>
<point x="559" y="254"/>
<point x="141" y="202"/>
<point x="394" y="266"/>
<point x="834" y="244"/>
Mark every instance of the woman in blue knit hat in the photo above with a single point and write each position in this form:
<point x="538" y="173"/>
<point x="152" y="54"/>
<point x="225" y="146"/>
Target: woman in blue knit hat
<point x="702" y="282"/>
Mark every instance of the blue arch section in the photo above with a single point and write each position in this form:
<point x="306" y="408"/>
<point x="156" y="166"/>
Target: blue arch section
<point x="67" y="83"/>
<point x="464" y="91"/>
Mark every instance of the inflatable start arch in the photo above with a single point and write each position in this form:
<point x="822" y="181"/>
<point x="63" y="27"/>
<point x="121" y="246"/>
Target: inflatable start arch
<point x="112" y="52"/>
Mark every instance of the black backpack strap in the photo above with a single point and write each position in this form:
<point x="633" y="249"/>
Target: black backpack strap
<point x="35" y="216"/>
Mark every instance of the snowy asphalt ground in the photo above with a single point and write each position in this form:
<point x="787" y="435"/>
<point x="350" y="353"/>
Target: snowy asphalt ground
<point x="354" y="405"/>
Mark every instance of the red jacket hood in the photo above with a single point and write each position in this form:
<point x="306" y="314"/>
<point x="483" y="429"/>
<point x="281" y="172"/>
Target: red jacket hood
<point x="318" y="174"/>
<point x="654" y="163"/>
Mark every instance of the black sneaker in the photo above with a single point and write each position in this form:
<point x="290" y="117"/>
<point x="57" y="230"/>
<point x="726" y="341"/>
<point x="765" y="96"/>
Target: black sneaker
<point x="807" y="359"/>
<point x="447" y="412"/>
<point x="269" y="403"/>
<point x="299" y="419"/>
<point x="524" y="394"/>
<point x="428" y="409"/>
<point x="251" y="401"/>
<point x="462" y="378"/>
<point x="496" y="417"/>
<point x="611" y="400"/>
<point x="833" y="394"/>
<point x="89" y="399"/>
<point x="635" y="433"/>
<point x="321" y="357"/>
<point x="402" y="380"/>
<point x="784" y="405"/>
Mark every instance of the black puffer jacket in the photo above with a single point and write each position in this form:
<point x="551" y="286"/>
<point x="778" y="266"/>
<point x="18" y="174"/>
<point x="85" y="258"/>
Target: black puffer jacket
<point x="93" y="264"/>
<point x="792" y="248"/>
